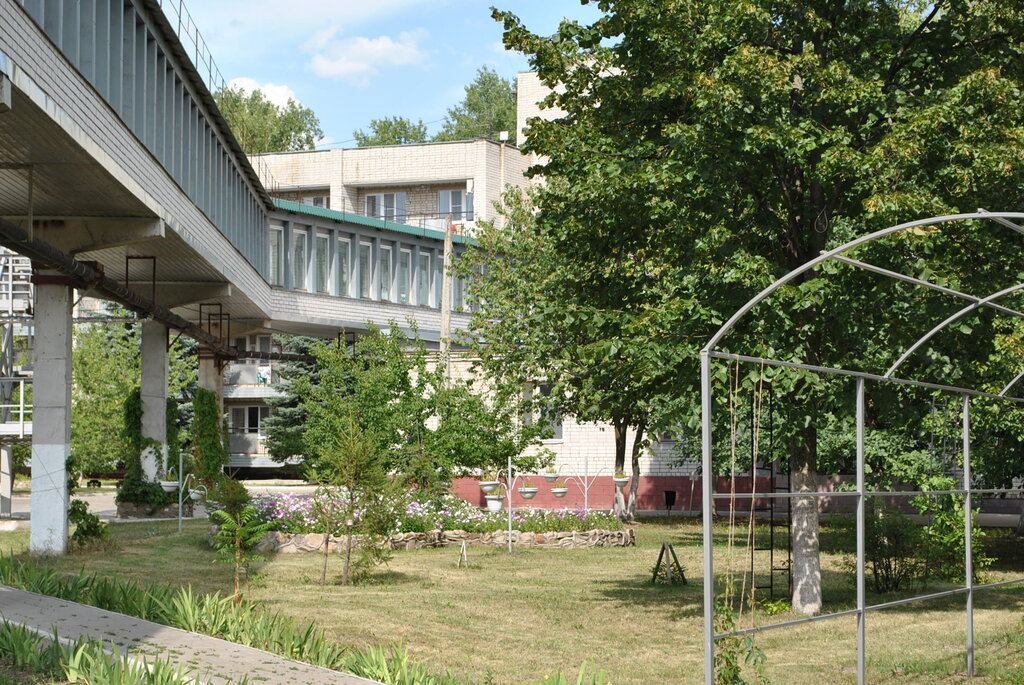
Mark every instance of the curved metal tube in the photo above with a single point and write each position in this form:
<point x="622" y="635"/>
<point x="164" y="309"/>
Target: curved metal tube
<point x="950" y="319"/>
<point x="1002" y="393"/>
<point x="757" y="299"/>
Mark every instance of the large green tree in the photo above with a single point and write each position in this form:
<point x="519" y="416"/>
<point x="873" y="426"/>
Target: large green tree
<point x="391" y="131"/>
<point x="710" y="147"/>
<point x="262" y="126"/>
<point x="488" y="108"/>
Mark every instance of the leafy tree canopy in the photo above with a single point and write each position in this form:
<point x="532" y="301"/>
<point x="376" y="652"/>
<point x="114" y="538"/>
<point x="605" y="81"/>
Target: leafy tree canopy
<point x="710" y="147"/>
<point x="391" y="131"/>
<point x="488" y="108"/>
<point x="261" y="126"/>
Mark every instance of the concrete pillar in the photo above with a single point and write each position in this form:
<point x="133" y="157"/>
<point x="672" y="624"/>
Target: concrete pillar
<point x="51" y="415"/>
<point x="154" y="396"/>
<point x="6" y="480"/>
<point x="211" y="375"/>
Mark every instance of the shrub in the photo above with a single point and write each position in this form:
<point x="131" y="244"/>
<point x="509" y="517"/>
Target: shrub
<point x="88" y="527"/>
<point x="136" y="490"/>
<point x="293" y="514"/>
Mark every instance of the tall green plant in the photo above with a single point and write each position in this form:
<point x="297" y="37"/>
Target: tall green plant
<point x="237" y="533"/>
<point x="208" y="437"/>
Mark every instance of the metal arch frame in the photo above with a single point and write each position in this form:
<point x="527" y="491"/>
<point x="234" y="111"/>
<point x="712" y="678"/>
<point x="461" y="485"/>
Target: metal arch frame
<point x="710" y="351"/>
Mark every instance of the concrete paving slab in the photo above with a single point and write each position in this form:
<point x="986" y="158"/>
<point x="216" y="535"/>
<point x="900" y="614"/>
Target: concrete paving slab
<point x="210" y="659"/>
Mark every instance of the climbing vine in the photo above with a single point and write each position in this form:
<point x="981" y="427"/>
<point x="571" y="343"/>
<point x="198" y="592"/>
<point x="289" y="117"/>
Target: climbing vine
<point x="211" y="452"/>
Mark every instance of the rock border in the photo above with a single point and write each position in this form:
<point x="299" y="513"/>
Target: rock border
<point x="294" y="543"/>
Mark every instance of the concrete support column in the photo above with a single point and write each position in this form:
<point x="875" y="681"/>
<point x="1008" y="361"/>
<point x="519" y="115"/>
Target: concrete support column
<point x="6" y="480"/>
<point x="51" y="414"/>
<point x="154" y="396"/>
<point x="211" y="375"/>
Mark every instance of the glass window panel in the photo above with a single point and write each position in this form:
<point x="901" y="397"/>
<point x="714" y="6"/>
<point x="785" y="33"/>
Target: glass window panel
<point x="423" y="279"/>
<point x="299" y="260"/>
<point x="343" y="266"/>
<point x="238" y="419"/>
<point x="384" y="269"/>
<point x="365" y="269"/>
<point x="254" y="420"/>
<point x="264" y="342"/>
<point x="373" y="206"/>
<point x="276" y="238"/>
<point x="404" y="269"/>
<point x="322" y="256"/>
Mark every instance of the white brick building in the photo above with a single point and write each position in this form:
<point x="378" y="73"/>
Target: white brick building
<point x="363" y="222"/>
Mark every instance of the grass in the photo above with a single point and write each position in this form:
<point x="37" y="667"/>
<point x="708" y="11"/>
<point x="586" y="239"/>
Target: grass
<point x="516" y="619"/>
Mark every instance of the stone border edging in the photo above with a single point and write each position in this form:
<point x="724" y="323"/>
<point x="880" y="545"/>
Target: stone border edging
<point x="292" y="543"/>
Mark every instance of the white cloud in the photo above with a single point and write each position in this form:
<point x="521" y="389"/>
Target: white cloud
<point x="357" y="58"/>
<point x="278" y="94"/>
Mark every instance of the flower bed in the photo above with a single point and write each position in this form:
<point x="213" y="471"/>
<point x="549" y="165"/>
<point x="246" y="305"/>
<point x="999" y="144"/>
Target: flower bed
<point x="292" y="543"/>
<point x="293" y="514"/>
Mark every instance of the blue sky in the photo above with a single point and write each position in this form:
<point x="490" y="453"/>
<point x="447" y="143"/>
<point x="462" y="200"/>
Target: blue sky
<point x="356" y="60"/>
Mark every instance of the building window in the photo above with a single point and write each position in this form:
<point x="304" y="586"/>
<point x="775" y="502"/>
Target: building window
<point x="423" y="279"/>
<point x="384" y="272"/>
<point x="276" y="242"/>
<point x="549" y="416"/>
<point x="457" y="298"/>
<point x="344" y="248"/>
<point x="299" y="258"/>
<point x="318" y="201"/>
<point x="323" y="249"/>
<point x="249" y="419"/>
<point x="404" y="275"/>
<point x="387" y="206"/>
<point x="458" y="203"/>
<point x="365" y="269"/>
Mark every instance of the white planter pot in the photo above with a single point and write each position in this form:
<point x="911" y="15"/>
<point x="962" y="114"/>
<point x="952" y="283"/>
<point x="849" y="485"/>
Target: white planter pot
<point x="169" y="485"/>
<point x="488" y="486"/>
<point x="559" y="492"/>
<point x="527" y="493"/>
<point x="551" y="477"/>
<point x="494" y="502"/>
<point x="196" y="495"/>
<point x="620" y="482"/>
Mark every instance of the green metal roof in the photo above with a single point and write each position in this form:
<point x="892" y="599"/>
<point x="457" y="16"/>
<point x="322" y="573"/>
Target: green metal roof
<point x="380" y="224"/>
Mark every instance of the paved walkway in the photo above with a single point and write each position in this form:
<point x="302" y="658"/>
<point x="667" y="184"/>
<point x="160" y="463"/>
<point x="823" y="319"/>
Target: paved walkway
<point x="210" y="660"/>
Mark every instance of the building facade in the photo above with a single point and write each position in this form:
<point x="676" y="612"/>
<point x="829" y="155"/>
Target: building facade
<point x="367" y="225"/>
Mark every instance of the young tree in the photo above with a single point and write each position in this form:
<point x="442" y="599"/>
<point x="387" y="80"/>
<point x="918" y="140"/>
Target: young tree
<point x="105" y="364"/>
<point x="601" y="350"/>
<point x="488" y="108"/>
<point x="261" y="126"/>
<point x="710" y="147"/>
<point x="348" y="459"/>
<point x="391" y="131"/>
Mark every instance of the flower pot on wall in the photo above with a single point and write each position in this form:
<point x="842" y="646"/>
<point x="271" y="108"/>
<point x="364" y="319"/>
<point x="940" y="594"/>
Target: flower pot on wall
<point x="559" y="492"/>
<point x="621" y="482"/>
<point x="551" y="477"/>
<point x="527" y="493"/>
<point x="488" y="486"/>
<point x="494" y="502"/>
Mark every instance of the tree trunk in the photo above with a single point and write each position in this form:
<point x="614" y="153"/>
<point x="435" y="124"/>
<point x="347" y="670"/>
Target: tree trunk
<point x="1020" y="522"/>
<point x="804" y="521"/>
<point x="620" y="426"/>
<point x="238" y="568"/>
<point x="634" y="485"/>
<point x="348" y="556"/>
<point x="327" y="547"/>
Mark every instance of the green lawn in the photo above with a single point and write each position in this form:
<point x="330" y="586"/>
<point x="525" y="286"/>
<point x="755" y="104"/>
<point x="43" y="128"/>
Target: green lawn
<point x="517" y="618"/>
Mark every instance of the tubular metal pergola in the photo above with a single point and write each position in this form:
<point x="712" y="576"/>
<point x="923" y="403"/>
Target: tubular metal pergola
<point x="712" y="351"/>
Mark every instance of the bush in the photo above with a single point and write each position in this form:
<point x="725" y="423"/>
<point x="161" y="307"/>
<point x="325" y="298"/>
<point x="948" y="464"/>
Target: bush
<point x="88" y="527"/>
<point x="293" y="514"/>
<point x="893" y="548"/>
<point x="136" y="490"/>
